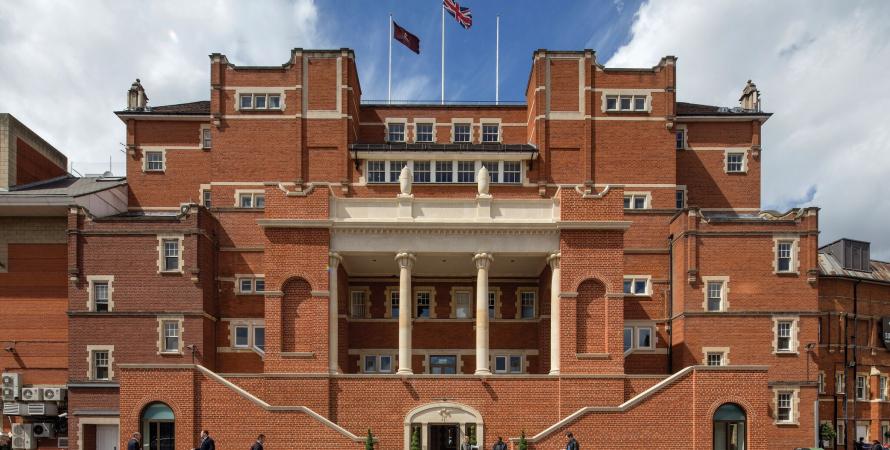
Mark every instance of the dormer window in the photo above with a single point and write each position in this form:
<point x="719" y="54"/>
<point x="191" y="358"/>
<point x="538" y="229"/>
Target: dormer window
<point x="424" y="132"/>
<point x="461" y="132"/>
<point x="396" y="132"/>
<point x="490" y="132"/>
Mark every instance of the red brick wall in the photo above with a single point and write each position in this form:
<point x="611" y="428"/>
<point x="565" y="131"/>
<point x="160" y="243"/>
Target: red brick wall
<point x="31" y="166"/>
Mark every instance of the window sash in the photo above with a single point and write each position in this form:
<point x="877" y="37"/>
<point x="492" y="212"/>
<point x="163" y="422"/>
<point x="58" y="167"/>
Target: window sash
<point x="512" y="172"/>
<point x="424" y="132"/>
<point x="259" y="101"/>
<point x="612" y="103"/>
<point x="171" y="336"/>
<point x="839" y="382"/>
<point x="205" y="138"/>
<point x="715" y="296"/>
<point x="515" y="364"/>
<point x="462" y="305"/>
<point x="644" y="338"/>
<point x="394" y="304"/>
<point x="783" y="252"/>
<point x="715" y="359"/>
<point x="466" y="171"/>
<point x="396" y="132"/>
<point x="635" y="201"/>
<point x="423" y="305"/>
<point x="527" y="304"/>
<point x="259" y="285"/>
<point x="783" y="407"/>
<point x="783" y="336"/>
<point x="259" y="337"/>
<point x="274" y="101"/>
<point x="370" y="363"/>
<point x="100" y="364"/>
<point x="681" y="139"/>
<point x="421" y="171"/>
<point x="490" y="132"/>
<point x="376" y="171"/>
<point x="492" y="305"/>
<point x="639" y="103"/>
<point x="357" y="304"/>
<point x="734" y="162"/>
<point x="443" y="171"/>
<point x="493" y="170"/>
<point x="500" y="364"/>
<point x="860" y="387"/>
<point x="680" y="199"/>
<point x="462" y="132"/>
<point x="395" y="169"/>
<point x="624" y="103"/>
<point x="242" y="336"/>
<point x="207" y="197"/>
<point x="628" y="338"/>
<point x="171" y="254"/>
<point x="385" y="364"/>
<point x="154" y="161"/>
<point x="246" y="101"/>
<point x="100" y="296"/>
<point x="245" y="286"/>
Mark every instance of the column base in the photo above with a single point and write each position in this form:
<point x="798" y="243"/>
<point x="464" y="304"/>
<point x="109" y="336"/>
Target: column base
<point x="554" y="372"/>
<point x="405" y="372"/>
<point x="483" y="372"/>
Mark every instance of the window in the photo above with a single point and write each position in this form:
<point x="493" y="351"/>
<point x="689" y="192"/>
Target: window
<point x="492" y="167"/>
<point x="735" y="162"/>
<point x="639" y="103"/>
<point x="171" y="336"/>
<point x="461" y="132"/>
<point x="715" y="295"/>
<point x="840" y="383"/>
<point x="205" y="138"/>
<point x="242" y="336"/>
<point x="641" y="337"/>
<point x="861" y="387"/>
<point x="783" y="336"/>
<point x="395" y="169"/>
<point x="841" y="433"/>
<point x="820" y="382"/>
<point x="101" y="369"/>
<point x="154" y="161"/>
<point x="636" y="201"/>
<point x="274" y="101"/>
<point x="611" y="103"/>
<point x="100" y="296"/>
<point x="783" y="406"/>
<point x="784" y="255"/>
<point x="370" y="363"/>
<point x="527" y="304"/>
<point x="259" y="284"/>
<point x="385" y="364"/>
<point x="681" y="139"/>
<point x="443" y="364"/>
<point x="462" y="305"/>
<point x="246" y="101"/>
<point x="246" y="285"/>
<point x="376" y="171"/>
<point x="626" y="103"/>
<point x="252" y="200"/>
<point x="466" y="171"/>
<point x="681" y="198"/>
<point x="490" y="132"/>
<point x="171" y="255"/>
<point x="644" y="338"/>
<point x="508" y="364"/>
<point x="628" y="338"/>
<point x="492" y="305"/>
<point x="443" y="171"/>
<point x="882" y="388"/>
<point x="394" y="304"/>
<point x="259" y="338"/>
<point x="636" y="285"/>
<point x="421" y="171"/>
<point x="251" y="285"/>
<point x="396" y="132"/>
<point x="207" y="198"/>
<point x="424" y="132"/>
<point x="715" y="359"/>
<point x="423" y="305"/>
<point x="512" y="172"/>
<point x="729" y="427"/>
<point x="259" y="102"/>
<point x="377" y="364"/>
<point x="357" y="304"/>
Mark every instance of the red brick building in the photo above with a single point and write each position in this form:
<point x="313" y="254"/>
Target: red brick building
<point x="302" y="263"/>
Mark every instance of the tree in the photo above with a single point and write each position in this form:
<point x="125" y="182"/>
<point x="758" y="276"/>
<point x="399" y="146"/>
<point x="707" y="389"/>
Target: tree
<point x="826" y="431"/>
<point x="523" y="444"/>
<point x="415" y="440"/>
<point x="369" y="441"/>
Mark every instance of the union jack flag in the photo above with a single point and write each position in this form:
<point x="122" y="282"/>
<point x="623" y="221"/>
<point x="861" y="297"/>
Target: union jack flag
<point x="462" y="14"/>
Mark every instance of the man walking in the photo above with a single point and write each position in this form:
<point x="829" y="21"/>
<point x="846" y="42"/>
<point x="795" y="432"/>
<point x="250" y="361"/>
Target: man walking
<point x="500" y="444"/>
<point x="206" y="441"/>
<point x="572" y="444"/>
<point x="258" y="445"/>
<point x="135" y="442"/>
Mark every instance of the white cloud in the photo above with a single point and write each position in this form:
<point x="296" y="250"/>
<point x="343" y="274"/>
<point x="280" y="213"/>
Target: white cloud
<point x="822" y="69"/>
<point x="68" y="65"/>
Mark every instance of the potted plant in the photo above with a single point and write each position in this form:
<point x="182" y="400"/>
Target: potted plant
<point x="826" y="432"/>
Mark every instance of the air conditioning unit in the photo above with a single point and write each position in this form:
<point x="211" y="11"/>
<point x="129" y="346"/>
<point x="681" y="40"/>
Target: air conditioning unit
<point x="53" y="394"/>
<point x="31" y="394"/>
<point x="62" y="442"/>
<point x="14" y="409"/>
<point x="43" y="430"/>
<point x="22" y="437"/>
<point x="42" y="409"/>
<point x="11" y="385"/>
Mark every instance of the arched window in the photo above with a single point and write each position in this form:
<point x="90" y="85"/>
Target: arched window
<point x="158" y="427"/>
<point x="729" y="427"/>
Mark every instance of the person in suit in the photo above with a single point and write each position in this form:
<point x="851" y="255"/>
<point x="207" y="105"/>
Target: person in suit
<point x="206" y="441"/>
<point x="258" y="445"/>
<point x="135" y="442"/>
<point x="572" y="443"/>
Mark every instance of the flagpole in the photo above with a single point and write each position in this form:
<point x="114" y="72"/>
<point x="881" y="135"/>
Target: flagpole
<point x="442" y="101"/>
<point x="389" y="73"/>
<point x="497" y="57"/>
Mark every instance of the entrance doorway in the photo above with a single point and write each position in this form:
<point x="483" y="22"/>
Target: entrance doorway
<point x="729" y="427"/>
<point x="444" y="437"/>
<point x="107" y="437"/>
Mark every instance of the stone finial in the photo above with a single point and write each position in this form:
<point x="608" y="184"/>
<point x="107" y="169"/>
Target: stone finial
<point x="405" y="179"/>
<point x="484" y="181"/>
<point x="136" y="98"/>
<point x="750" y="99"/>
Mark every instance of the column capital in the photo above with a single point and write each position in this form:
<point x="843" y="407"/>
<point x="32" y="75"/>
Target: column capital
<point x="483" y="260"/>
<point x="334" y="259"/>
<point x="553" y="260"/>
<point x="405" y="260"/>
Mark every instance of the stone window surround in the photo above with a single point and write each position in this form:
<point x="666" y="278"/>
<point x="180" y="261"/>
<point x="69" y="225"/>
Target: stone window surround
<point x="866" y="386"/>
<point x="474" y="139"/>
<point x="724" y="304"/>
<point x="459" y="353"/>
<point x="91" y="300"/>
<point x="635" y="326"/>
<point x="260" y="91"/>
<point x="722" y="350"/>
<point x="162" y="151"/>
<point x="366" y="290"/>
<point x="523" y="364"/>
<point x="165" y="237"/>
<point x="252" y="192"/>
<point x="413" y="125"/>
<point x="795" y="405"/>
<point x="418" y="289"/>
<point x="394" y="361"/>
<point x="646" y="194"/>
<point x="472" y="304"/>
<point x="205" y="126"/>
<point x="161" y="336"/>
<point x="605" y="93"/>
<point x="387" y="301"/>
<point x="685" y="129"/>
<point x="401" y="120"/>
<point x="201" y="190"/>
<point x="454" y="159"/>
<point x="91" y="349"/>
<point x="490" y="121"/>
<point x="498" y="314"/>
<point x="820" y="382"/>
<point x="251" y="324"/>
<point x="648" y="278"/>
<point x="387" y="293"/>
<point x="524" y="289"/>
<point x="253" y="277"/>
<point x="794" y="239"/>
<point x="795" y="330"/>
<point x="744" y="151"/>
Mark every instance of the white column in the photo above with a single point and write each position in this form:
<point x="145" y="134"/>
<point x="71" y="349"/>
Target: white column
<point x="483" y="262"/>
<point x="553" y="260"/>
<point x="406" y="263"/>
<point x="333" y="313"/>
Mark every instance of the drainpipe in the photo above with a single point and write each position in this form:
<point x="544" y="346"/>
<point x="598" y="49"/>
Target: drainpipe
<point x="854" y="363"/>
<point x="670" y="305"/>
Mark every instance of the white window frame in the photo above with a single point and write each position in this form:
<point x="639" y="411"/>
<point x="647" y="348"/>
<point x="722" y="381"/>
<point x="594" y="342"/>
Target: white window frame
<point x="618" y="94"/>
<point x="384" y="173"/>
<point x="862" y="389"/>
<point x="377" y="359"/>
<point x="253" y="194"/>
<point x="722" y="351"/>
<point x="430" y="171"/>
<point x="498" y="131"/>
<point x="792" y="405"/>
<point x="724" y="303"/>
<point x="404" y="124"/>
<point x="207" y="198"/>
<point x="91" y="368"/>
<point x="883" y="387"/>
<point x="92" y="280"/>
<point x="519" y="300"/>
<point x="734" y="151"/>
<point x="235" y="328"/>
<point x="507" y="358"/>
<point x="459" y="122"/>
<point x="635" y="328"/>
<point x="266" y="95"/>
<point x="647" y="292"/>
<point x="251" y="325"/>
<point x="684" y="194"/>
<point x="251" y="281"/>
<point x="206" y="137"/>
<point x="431" y="291"/>
<point x="794" y="344"/>
<point x="157" y="151"/>
<point x="494" y="293"/>
<point x="162" y="267"/>
<point x="391" y="297"/>
<point x="794" y="264"/>
<point x="431" y="123"/>
<point x="360" y="307"/>
<point x="455" y="292"/>
<point x="840" y="433"/>
<point x="163" y="321"/>
<point x="416" y="312"/>
<point x="638" y="336"/>
<point x="634" y="196"/>
<point x="820" y="382"/>
<point x="840" y="382"/>
<point x="685" y="130"/>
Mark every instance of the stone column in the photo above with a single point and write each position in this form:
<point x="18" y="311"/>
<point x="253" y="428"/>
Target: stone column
<point x="406" y="263"/>
<point x="333" y="313"/>
<point x="555" y="326"/>
<point x="483" y="262"/>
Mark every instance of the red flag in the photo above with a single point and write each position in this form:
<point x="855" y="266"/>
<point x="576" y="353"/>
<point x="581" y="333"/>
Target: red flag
<point x="409" y="40"/>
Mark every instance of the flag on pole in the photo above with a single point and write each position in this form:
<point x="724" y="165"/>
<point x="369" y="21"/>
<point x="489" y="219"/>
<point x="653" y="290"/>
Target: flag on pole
<point x="462" y="14"/>
<point x="409" y="40"/>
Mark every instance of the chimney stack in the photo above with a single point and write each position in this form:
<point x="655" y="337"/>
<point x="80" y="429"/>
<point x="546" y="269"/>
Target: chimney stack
<point x="136" y="98"/>
<point x="750" y="99"/>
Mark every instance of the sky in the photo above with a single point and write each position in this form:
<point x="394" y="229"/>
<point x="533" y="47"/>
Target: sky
<point x="822" y="68"/>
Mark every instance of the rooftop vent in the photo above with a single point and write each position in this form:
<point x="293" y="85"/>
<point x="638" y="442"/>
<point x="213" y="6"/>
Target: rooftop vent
<point x="851" y="254"/>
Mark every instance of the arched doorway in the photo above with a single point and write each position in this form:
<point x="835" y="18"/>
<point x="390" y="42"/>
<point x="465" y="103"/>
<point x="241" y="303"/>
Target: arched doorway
<point x="443" y="426"/>
<point x="158" y="427"/>
<point x="729" y="427"/>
